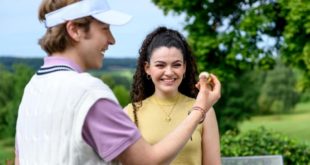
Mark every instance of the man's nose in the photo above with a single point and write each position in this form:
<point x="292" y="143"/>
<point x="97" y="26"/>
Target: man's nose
<point x="111" y="39"/>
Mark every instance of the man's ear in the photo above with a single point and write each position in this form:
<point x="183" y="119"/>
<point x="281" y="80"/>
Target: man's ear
<point x="73" y="31"/>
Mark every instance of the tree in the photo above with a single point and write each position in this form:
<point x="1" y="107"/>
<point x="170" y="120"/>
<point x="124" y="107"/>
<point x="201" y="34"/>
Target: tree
<point x="11" y="90"/>
<point x="122" y="94"/>
<point x="230" y="37"/>
<point x="6" y="95"/>
<point x="238" y="34"/>
<point x="278" y="93"/>
<point x="296" y="49"/>
<point x="108" y="79"/>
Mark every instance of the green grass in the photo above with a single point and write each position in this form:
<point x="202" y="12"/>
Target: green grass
<point x="295" y="125"/>
<point x="6" y="150"/>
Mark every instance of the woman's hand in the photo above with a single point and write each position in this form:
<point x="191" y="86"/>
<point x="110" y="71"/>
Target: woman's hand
<point x="209" y="91"/>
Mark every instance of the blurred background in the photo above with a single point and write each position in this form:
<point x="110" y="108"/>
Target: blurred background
<point x="259" y="49"/>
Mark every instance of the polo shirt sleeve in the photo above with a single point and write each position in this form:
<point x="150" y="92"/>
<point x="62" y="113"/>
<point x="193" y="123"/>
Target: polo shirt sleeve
<point x="108" y="130"/>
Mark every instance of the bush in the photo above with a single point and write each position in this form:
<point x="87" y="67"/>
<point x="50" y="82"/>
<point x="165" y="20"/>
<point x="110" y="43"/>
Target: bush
<point x="265" y="142"/>
<point x="11" y="90"/>
<point x="122" y="95"/>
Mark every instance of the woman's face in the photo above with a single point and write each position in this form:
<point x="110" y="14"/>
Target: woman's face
<point x="167" y="69"/>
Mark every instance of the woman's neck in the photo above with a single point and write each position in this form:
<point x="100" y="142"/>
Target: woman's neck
<point x="166" y="96"/>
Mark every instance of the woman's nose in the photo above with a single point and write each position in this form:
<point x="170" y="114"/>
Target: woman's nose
<point x="168" y="71"/>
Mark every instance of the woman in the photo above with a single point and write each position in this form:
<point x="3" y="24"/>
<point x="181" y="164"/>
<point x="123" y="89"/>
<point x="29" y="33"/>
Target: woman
<point x="163" y="92"/>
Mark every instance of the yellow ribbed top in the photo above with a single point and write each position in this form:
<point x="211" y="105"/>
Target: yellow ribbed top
<point x="154" y="126"/>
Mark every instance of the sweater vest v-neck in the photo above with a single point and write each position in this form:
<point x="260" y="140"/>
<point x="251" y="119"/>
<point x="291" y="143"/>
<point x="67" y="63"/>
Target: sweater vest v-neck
<point x="51" y="116"/>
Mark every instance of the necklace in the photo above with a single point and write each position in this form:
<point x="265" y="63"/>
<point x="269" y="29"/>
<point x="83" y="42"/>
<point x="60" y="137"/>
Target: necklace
<point x="167" y="113"/>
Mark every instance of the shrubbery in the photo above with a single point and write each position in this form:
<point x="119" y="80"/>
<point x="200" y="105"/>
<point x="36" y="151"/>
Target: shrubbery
<point x="12" y="84"/>
<point x="265" y="142"/>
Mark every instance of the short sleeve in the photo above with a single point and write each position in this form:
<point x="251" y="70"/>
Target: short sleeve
<point x="108" y="130"/>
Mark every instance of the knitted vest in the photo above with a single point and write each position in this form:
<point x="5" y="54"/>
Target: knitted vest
<point x="51" y="117"/>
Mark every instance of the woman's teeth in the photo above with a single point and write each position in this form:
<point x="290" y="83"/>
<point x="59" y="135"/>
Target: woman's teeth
<point x="168" y="80"/>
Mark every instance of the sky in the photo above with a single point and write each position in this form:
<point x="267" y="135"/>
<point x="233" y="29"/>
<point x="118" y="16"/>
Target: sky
<point x="20" y="28"/>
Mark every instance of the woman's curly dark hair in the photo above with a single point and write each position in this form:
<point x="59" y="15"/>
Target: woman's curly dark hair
<point x="143" y="87"/>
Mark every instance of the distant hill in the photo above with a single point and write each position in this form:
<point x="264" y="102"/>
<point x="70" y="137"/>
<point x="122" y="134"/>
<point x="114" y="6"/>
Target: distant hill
<point x="35" y="63"/>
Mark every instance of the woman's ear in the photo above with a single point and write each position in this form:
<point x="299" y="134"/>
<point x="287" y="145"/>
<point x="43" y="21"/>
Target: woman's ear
<point x="73" y="31"/>
<point x="146" y="67"/>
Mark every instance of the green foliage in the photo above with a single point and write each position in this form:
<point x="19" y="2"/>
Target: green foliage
<point x="278" y="93"/>
<point x="12" y="86"/>
<point x="239" y="101"/>
<point x="120" y="82"/>
<point x="6" y="85"/>
<point x="265" y="142"/>
<point x="227" y="35"/>
<point x="231" y="38"/>
<point x="305" y="96"/>
<point x="6" y="150"/>
<point x="296" y="49"/>
<point x="122" y="94"/>
<point x="108" y="79"/>
<point x="237" y="35"/>
<point x="117" y="77"/>
<point x="123" y="81"/>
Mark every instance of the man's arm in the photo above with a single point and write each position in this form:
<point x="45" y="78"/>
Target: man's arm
<point x="16" y="160"/>
<point x="165" y="150"/>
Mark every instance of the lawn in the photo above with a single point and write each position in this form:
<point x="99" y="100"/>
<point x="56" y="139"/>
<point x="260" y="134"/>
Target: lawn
<point x="295" y="125"/>
<point x="6" y="150"/>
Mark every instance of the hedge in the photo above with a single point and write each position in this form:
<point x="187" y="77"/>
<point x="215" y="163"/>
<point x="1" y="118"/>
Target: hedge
<point x="265" y="142"/>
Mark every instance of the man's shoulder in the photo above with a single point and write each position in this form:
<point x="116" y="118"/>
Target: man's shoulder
<point x="84" y="81"/>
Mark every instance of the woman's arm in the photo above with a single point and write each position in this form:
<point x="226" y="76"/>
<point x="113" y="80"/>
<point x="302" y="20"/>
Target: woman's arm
<point x="210" y="140"/>
<point x="165" y="150"/>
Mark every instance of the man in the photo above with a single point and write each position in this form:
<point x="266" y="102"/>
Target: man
<point x="68" y="116"/>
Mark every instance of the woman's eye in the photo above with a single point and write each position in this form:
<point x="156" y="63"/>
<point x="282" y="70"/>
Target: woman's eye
<point x="159" y="65"/>
<point x="177" y="65"/>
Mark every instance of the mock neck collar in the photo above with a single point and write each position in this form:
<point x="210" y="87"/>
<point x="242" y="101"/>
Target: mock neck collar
<point x="166" y="101"/>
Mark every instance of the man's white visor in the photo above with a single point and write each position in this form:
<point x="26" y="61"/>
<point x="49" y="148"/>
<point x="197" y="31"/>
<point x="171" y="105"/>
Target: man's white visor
<point x="99" y="9"/>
